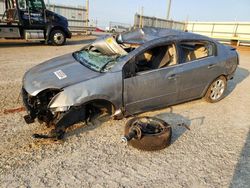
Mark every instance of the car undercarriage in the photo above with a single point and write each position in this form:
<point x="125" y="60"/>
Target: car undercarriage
<point x="37" y="108"/>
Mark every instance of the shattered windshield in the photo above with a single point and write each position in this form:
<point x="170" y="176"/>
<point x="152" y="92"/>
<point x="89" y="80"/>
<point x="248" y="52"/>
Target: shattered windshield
<point x="96" y="60"/>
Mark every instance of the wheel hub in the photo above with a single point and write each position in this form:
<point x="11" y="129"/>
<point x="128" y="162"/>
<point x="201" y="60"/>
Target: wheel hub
<point x="217" y="89"/>
<point x="59" y="38"/>
<point x="148" y="127"/>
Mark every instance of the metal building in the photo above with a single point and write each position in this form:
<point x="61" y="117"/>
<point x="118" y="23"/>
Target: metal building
<point x="228" y="31"/>
<point x="157" y="22"/>
<point x="75" y="15"/>
<point x="1" y="8"/>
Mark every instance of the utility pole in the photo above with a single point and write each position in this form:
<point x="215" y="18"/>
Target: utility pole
<point x="186" y="23"/>
<point x="87" y="13"/>
<point x="48" y="3"/>
<point x="169" y="8"/>
<point x="141" y="17"/>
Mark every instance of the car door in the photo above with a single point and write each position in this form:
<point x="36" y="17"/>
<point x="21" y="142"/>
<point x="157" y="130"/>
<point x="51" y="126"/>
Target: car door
<point x="197" y="72"/>
<point x="149" y="89"/>
<point x="32" y="13"/>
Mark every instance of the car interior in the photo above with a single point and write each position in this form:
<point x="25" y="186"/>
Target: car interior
<point x="156" y="58"/>
<point x="195" y="50"/>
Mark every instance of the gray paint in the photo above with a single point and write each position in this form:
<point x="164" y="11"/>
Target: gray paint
<point x="147" y="90"/>
<point x="107" y="86"/>
<point x="42" y="77"/>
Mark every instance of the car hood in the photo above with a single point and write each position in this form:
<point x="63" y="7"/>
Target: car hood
<point x="56" y="73"/>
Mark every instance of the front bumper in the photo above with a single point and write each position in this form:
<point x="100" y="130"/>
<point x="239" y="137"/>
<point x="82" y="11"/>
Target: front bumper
<point x="31" y="114"/>
<point x="68" y="33"/>
<point x="35" y="109"/>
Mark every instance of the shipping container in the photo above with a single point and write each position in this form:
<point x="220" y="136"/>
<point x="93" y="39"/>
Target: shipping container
<point x="75" y="15"/>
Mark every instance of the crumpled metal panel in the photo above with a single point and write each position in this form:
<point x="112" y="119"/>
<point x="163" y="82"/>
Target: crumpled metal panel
<point x="140" y="36"/>
<point x="108" y="46"/>
<point x="147" y="37"/>
<point x="107" y="86"/>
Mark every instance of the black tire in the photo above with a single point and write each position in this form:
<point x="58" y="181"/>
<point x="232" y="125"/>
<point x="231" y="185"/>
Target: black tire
<point x="57" y="38"/>
<point x="219" y="92"/>
<point x="151" y="142"/>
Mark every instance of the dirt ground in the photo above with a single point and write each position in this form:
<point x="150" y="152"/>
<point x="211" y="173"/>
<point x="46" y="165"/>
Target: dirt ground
<point x="214" y="153"/>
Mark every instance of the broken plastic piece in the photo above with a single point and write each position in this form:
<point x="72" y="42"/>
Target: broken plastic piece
<point x="28" y="119"/>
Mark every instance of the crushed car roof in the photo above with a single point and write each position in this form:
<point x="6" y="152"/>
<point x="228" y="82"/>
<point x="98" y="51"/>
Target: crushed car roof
<point x="141" y="36"/>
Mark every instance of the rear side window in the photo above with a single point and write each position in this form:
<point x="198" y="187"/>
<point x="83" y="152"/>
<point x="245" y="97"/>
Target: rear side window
<point x="194" y="50"/>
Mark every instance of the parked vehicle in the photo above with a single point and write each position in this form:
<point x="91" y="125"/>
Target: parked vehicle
<point x="128" y="74"/>
<point x="30" y="20"/>
<point x="117" y="29"/>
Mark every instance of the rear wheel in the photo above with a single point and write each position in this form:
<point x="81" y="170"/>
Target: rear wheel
<point x="57" y="38"/>
<point x="216" y="90"/>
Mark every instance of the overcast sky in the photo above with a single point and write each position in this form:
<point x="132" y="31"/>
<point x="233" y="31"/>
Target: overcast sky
<point x="195" y="10"/>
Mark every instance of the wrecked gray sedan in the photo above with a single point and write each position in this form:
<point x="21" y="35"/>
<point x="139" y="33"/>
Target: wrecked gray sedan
<point x="130" y="73"/>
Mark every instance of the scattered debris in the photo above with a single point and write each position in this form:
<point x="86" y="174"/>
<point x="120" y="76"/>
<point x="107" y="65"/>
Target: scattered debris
<point x="184" y="125"/>
<point x="147" y="133"/>
<point x="14" y="110"/>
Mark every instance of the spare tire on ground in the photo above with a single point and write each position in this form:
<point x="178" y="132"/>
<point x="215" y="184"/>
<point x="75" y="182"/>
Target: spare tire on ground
<point x="148" y="133"/>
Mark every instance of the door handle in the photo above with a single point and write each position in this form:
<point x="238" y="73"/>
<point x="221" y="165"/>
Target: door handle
<point x="172" y="77"/>
<point x="211" y="66"/>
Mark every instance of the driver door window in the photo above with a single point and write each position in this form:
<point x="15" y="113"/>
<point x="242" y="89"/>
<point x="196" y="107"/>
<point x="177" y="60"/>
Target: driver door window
<point x="156" y="58"/>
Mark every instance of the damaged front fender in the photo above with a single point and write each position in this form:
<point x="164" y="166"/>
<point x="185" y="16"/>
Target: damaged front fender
<point x="62" y="101"/>
<point x="101" y="88"/>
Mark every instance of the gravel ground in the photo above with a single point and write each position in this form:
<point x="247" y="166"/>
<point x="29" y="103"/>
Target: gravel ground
<point x="214" y="153"/>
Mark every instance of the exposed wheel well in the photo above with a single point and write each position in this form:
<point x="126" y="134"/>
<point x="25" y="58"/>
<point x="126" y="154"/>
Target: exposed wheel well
<point x="102" y="105"/>
<point x="84" y="112"/>
<point x="224" y="76"/>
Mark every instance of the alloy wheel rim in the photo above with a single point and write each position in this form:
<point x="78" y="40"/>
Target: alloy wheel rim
<point x="217" y="89"/>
